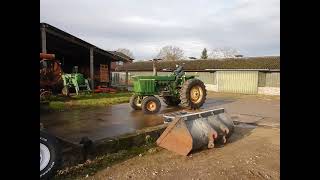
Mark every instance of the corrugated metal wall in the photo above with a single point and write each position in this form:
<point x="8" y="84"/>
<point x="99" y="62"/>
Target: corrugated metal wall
<point x="273" y="79"/>
<point x="238" y="81"/>
<point x="262" y="79"/>
<point x="269" y="79"/>
<point x="206" y="77"/>
<point x="227" y="81"/>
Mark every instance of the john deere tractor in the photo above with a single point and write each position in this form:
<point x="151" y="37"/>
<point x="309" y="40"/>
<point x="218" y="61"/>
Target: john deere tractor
<point x="176" y="88"/>
<point x="76" y="81"/>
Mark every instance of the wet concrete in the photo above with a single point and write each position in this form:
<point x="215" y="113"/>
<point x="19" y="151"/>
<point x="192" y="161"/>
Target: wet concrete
<point x="110" y="121"/>
<point x="97" y="123"/>
<point x="105" y="122"/>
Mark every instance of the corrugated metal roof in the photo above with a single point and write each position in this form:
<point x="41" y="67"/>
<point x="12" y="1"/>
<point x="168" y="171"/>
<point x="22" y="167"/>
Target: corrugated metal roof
<point x="84" y="43"/>
<point x="266" y="63"/>
<point x="121" y="54"/>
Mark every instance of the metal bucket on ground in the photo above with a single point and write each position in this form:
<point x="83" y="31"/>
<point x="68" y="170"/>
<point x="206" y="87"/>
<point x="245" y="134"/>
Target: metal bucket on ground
<point x="192" y="131"/>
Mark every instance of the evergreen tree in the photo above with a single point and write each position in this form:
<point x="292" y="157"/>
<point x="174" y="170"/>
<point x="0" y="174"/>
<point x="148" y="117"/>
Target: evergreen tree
<point x="204" y="54"/>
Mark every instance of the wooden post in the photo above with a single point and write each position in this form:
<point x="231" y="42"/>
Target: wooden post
<point x="92" y="69"/>
<point x="43" y="40"/>
<point x="127" y="79"/>
<point x="110" y="73"/>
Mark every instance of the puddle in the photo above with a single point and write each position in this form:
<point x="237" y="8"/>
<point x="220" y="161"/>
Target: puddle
<point x="101" y="122"/>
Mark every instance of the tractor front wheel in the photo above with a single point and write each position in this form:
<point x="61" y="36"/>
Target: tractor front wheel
<point x="135" y="102"/>
<point x="150" y="105"/>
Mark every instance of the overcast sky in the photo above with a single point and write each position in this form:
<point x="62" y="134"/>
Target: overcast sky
<point x="144" y="26"/>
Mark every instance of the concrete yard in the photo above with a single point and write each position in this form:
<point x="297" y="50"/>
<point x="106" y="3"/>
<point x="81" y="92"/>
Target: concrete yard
<point x="252" y="152"/>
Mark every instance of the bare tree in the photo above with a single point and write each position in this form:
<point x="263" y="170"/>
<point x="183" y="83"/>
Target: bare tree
<point x="220" y="53"/>
<point x="126" y="52"/>
<point x="170" y="53"/>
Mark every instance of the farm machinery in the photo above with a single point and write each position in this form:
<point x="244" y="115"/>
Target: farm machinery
<point x="50" y="75"/>
<point x="52" y="78"/>
<point x="74" y="80"/>
<point x="188" y="130"/>
<point x="176" y="88"/>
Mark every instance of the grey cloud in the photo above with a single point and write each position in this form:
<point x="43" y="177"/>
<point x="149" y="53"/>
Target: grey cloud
<point x="145" y="26"/>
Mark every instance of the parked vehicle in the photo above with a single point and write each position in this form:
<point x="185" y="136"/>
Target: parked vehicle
<point x="177" y="88"/>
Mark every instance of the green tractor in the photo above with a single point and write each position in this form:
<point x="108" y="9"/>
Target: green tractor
<point x="176" y="88"/>
<point x="76" y="81"/>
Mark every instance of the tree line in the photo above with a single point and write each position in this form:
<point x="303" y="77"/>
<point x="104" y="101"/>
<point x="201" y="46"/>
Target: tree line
<point x="174" y="53"/>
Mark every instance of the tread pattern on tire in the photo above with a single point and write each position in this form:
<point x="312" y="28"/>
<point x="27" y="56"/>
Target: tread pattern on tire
<point x="185" y="93"/>
<point x="133" y="104"/>
<point x="55" y="153"/>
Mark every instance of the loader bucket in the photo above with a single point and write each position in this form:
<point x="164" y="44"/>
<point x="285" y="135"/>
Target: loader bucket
<point x="193" y="131"/>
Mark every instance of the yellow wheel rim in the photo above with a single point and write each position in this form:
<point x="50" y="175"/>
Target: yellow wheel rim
<point x="196" y="94"/>
<point x="151" y="106"/>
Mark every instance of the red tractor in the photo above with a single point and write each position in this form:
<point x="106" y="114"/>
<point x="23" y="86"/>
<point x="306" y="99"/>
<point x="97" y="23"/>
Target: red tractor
<point x="50" y="75"/>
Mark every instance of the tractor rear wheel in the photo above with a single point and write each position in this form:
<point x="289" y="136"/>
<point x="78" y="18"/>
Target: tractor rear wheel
<point x="135" y="102"/>
<point x="193" y="94"/>
<point x="150" y="105"/>
<point x="171" y="101"/>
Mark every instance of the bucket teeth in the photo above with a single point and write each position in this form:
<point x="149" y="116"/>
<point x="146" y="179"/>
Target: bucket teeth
<point x="224" y="139"/>
<point x="211" y="144"/>
<point x="212" y="135"/>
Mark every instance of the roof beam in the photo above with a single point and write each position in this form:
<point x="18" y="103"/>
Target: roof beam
<point x="70" y="38"/>
<point x="43" y="40"/>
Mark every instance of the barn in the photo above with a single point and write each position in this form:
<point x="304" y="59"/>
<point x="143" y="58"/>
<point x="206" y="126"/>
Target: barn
<point x="92" y="61"/>
<point x="247" y="75"/>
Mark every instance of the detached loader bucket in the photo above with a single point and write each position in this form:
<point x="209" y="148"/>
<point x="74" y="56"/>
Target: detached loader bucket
<point x="192" y="131"/>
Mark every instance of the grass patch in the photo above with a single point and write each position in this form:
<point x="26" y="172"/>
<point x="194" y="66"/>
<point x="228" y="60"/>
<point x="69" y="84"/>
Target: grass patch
<point x="88" y="100"/>
<point x="56" y="105"/>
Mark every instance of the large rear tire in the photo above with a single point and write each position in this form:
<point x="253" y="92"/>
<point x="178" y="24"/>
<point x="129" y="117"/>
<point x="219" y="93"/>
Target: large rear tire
<point x="135" y="103"/>
<point x="150" y="105"/>
<point x="193" y="94"/>
<point x="50" y="155"/>
<point x="171" y="101"/>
